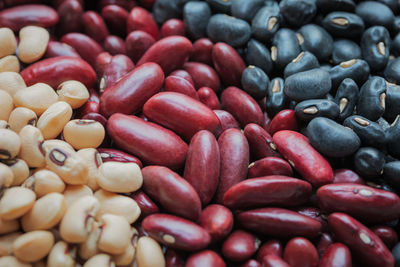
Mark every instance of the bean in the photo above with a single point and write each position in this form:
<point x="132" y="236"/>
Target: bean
<point x="255" y="82"/>
<point x="44" y="182"/>
<point x="265" y="22"/>
<point x="390" y="173"/>
<point x="370" y="133"/>
<point x="54" y="118"/>
<point x="260" y="142"/>
<point x="217" y="220"/>
<point x="346" y="176"/>
<point x="8" y="42"/>
<point x="84" y="133"/>
<point x="375" y="13"/>
<point x="58" y="49"/>
<point x="227" y="63"/>
<point x="15" y="202"/>
<point x="172" y="27"/>
<point x="300" y="252"/>
<point x="127" y="257"/>
<point x="285" y="47"/>
<point x="118" y="66"/>
<point x="21" y="117"/>
<point x="368" y="162"/>
<point x="391" y="136"/>
<point x="180" y="85"/>
<point x="375" y="44"/>
<point x="90" y="247"/>
<point x="99" y="260"/>
<point x="258" y="55"/>
<point x="196" y="17"/>
<point x="208" y="97"/>
<point x="298" y="12"/>
<point x="11" y="82"/>
<point x="174" y="258"/>
<point x="10" y="144"/>
<point x="12" y="261"/>
<point x="33" y="43"/>
<point x="115" y="18"/>
<point x="93" y="160"/>
<point x="269" y="166"/>
<point x="31" y="146"/>
<point x="316" y="40"/>
<point x="114" y="45"/>
<point x="86" y="47"/>
<point x="202" y="49"/>
<point x="6" y="176"/>
<point x="276" y="98"/>
<point x="343" y="24"/>
<point x="146" y="205"/>
<point x="283" y="120"/>
<point x="346" y="97"/>
<point x="61" y="254"/>
<point x="220" y="6"/>
<point x="240" y="246"/>
<point x="274" y="261"/>
<point x="391" y="109"/>
<point x="303" y="62"/>
<point x="6" y="105"/>
<point x="9" y="64"/>
<point x="355" y="69"/>
<point x="120" y="177"/>
<point x="74" y="93"/>
<point x="70" y="13"/>
<point x="75" y="192"/>
<point x="139" y="19"/>
<point x="94" y="26"/>
<point x="4" y="124"/>
<point x="7" y="227"/>
<point x="33" y="246"/>
<point x="344" y="50"/>
<point x="327" y="6"/>
<point x="271" y="247"/>
<point x="205" y="258"/>
<point x="137" y="43"/>
<point x="203" y="75"/>
<point x="37" y="97"/>
<point x="325" y="241"/>
<point x="233" y="31"/>
<point x="6" y="242"/>
<point x="149" y="253"/>
<point x="337" y="254"/>
<point x="114" y="237"/>
<point x="386" y="234"/>
<point x="371" y="100"/>
<point x="108" y="154"/>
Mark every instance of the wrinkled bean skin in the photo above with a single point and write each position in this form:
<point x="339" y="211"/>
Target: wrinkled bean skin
<point x="137" y="43"/>
<point x="203" y="75"/>
<point x="304" y="61"/>
<point x="337" y="254"/>
<point x="240" y="246"/>
<point x="370" y="133"/>
<point x="217" y="220"/>
<point x="176" y="232"/>
<point x="208" y="97"/>
<point x="347" y="98"/>
<point x="260" y="142"/>
<point x="180" y="85"/>
<point x="387" y="235"/>
<point x="58" y="49"/>
<point x="274" y="261"/>
<point x="146" y="205"/>
<point x="139" y="19"/>
<point x="284" y="120"/>
<point x="299" y="252"/>
<point x="205" y="258"/>
<point x="202" y="49"/>
<point x="269" y="166"/>
<point x="346" y="176"/>
<point x="159" y="146"/>
<point x="226" y="119"/>
<point x="355" y="69"/>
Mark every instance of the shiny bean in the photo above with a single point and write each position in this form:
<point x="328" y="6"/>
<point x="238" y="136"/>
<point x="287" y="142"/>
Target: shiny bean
<point x="139" y="19"/>
<point x="265" y="22"/>
<point x="387" y="234"/>
<point x="15" y="202"/>
<point x="70" y="14"/>
<point x="172" y="27"/>
<point x="11" y="82"/>
<point x="285" y="47"/>
<point x="283" y="120"/>
<point x="233" y="31"/>
<point x="149" y="253"/>
<point x="180" y="85"/>
<point x="6" y="176"/>
<point x="208" y="97"/>
<point x="271" y="247"/>
<point x="227" y="63"/>
<point x="6" y="242"/>
<point x="58" y="49"/>
<point x="37" y="97"/>
<point x="375" y="13"/>
<point x="240" y="246"/>
<point x="44" y="182"/>
<point x="337" y="254"/>
<point x="146" y="205"/>
<point x="196" y="16"/>
<point x="344" y="50"/>
<point x="217" y="220"/>
<point x="62" y="255"/>
<point x="114" y="237"/>
<point x="31" y="146"/>
<point x="368" y="162"/>
<point x="304" y="61"/>
<point x="8" y="42"/>
<point x="205" y="258"/>
<point x="203" y="75"/>
<point x="202" y="50"/>
<point x="10" y="144"/>
<point x="347" y="98"/>
<point x="371" y="100"/>
<point x="120" y="177"/>
<point x="355" y="69"/>
<point x="33" y="246"/>
<point x="346" y="176"/>
<point x="269" y="166"/>
<point x="115" y="70"/>
<point x="370" y="133"/>
<point x="94" y="26"/>
<point x="115" y="18"/>
<point x="109" y="154"/>
<point x="99" y="260"/>
<point x="258" y="55"/>
<point x="317" y="40"/>
<point x="74" y="93"/>
<point x="343" y="24"/>
<point x="12" y="261"/>
<point x="276" y="98"/>
<point x="137" y="43"/>
<point x="53" y="119"/>
<point x="273" y="261"/>
<point x="226" y="119"/>
<point x="255" y="82"/>
<point x="299" y="252"/>
<point x="86" y="47"/>
<point x="32" y="44"/>
<point x="7" y="227"/>
<point x="260" y="142"/>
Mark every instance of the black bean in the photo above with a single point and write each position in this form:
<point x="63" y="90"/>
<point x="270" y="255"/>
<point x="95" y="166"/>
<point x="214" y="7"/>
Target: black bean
<point x="375" y="13"/>
<point x="375" y="43"/>
<point x="298" y="12"/>
<point x="395" y="45"/>
<point x="220" y="6"/>
<point x="245" y="9"/>
<point x="196" y="15"/>
<point x="391" y="174"/>
<point x="392" y="107"/>
<point x="393" y="138"/>
<point x="383" y="123"/>
<point x="355" y="69"/>
<point x="396" y="25"/>
<point x="304" y="61"/>
<point x="394" y="5"/>
<point x="255" y="82"/>
<point x="316" y="40"/>
<point x="368" y="162"/>
<point x="276" y="98"/>
<point x="258" y="55"/>
<point x="266" y="23"/>
<point x="344" y="50"/>
<point x="343" y="24"/>
<point x="370" y="133"/>
<point x="309" y="109"/>
<point x="164" y="10"/>
<point x="327" y="6"/>
<point x="371" y="100"/>
<point x="347" y="98"/>
<point x="233" y="31"/>
<point x="392" y="71"/>
<point x="285" y="47"/>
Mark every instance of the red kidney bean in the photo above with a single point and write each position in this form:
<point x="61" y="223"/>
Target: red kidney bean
<point x="176" y="232"/>
<point x="268" y="190"/>
<point x="386" y="234"/>
<point x="125" y="4"/>
<point x="70" y="13"/>
<point x="160" y="183"/>
<point x="367" y="247"/>
<point x="296" y="148"/>
<point x="158" y="146"/>
<point x="362" y="202"/>
<point x="346" y="176"/>
<point x="284" y="120"/>
<point x="137" y="43"/>
<point x="114" y="45"/>
<point x="170" y="53"/>
<point x="205" y="258"/>
<point x="94" y="26"/>
<point x="172" y="27"/>
<point x="183" y="74"/>
<point x="228" y="63"/>
<point x="217" y="221"/>
<point x="279" y="222"/>
<point x="87" y="108"/>
<point x="97" y="117"/>
<point x="56" y="70"/>
<point x="139" y="19"/>
<point x="209" y="98"/>
<point x="115" y="70"/>
<point x="202" y="51"/>
<point x="174" y="259"/>
<point x="315" y="214"/>
<point x="251" y="263"/>
<point x="58" y="49"/>
<point x="130" y="93"/>
<point x="102" y="60"/>
<point x="115" y="17"/>
<point x="240" y="246"/>
<point x="109" y="154"/>
<point x="86" y="47"/>
<point x="299" y="252"/>
<point x="10" y="3"/>
<point x="180" y="85"/>
<point x="271" y="247"/>
<point x="234" y="152"/>
<point x="336" y="255"/>
<point x="226" y="119"/>
<point x="56" y="3"/>
<point x="94" y="96"/>
<point x="18" y="17"/>
<point x="242" y="106"/>
<point x="260" y="142"/>
<point x="145" y="203"/>
<point x="269" y="166"/>
<point x="181" y="113"/>
<point x="273" y="261"/>
<point x="202" y="165"/>
<point x="203" y="75"/>
<point x="324" y="243"/>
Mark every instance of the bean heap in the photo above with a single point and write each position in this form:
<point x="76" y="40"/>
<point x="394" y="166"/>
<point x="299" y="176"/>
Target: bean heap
<point x="152" y="133"/>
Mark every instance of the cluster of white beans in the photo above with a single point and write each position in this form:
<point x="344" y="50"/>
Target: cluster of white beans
<point x="60" y="205"/>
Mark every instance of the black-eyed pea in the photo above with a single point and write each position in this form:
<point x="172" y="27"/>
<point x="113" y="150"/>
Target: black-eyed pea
<point x="33" y="42"/>
<point x="77" y="222"/>
<point x="31" y="146"/>
<point x="20" y="117"/>
<point x="20" y="170"/>
<point x="9" y="63"/>
<point x="115" y="236"/>
<point x="128" y="256"/>
<point x="6" y="176"/>
<point x="11" y="82"/>
<point x="53" y="120"/>
<point x="62" y="255"/>
<point x="45" y="213"/>
<point x="73" y="92"/>
<point x="43" y="182"/>
<point x="6" y="243"/>
<point x="10" y="144"/>
<point x="33" y="246"/>
<point x="8" y="261"/>
<point x="84" y="133"/>
<point x="120" y="177"/>
<point x="100" y="260"/>
<point x="90" y="247"/>
<point x="37" y="97"/>
<point x="8" y="226"/>
<point x="56" y="143"/>
<point x="4" y="124"/>
<point x="8" y="42"/>
<point x="149" y="253"/>
<point x="6" y="105"/>
<point x="15" y="202"/>
<point x="75" y="192"/>
<point x="93" y="161"/>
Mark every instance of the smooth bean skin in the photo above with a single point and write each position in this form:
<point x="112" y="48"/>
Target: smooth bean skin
<point x="375" y="13"/>
<point x="233" y="31"/>
<point x="95" y="26"/>
<point x="271" y="247"/>
<point x="265" y="23"/>
<point x="391" y="108"/>
<point x="299" y="252"/>
<point x="86" y="47"/>
<point x="180" y="85"/>
<point x="346" y="176"/>
<point x="368" y="162"/>
<point x="283" y="120"/>
<point x="317" y="41"/>
<point x="226" y="119"/>
<point x="156" y="147"/>
<point x="115" y="17"/>
<point x="139" y="19"/>
<point x="337" y="254"/>
<point x="387" y="235"/>
<point x="306" y="160"/>
<point x="109" y="154"/>
<point x="344" y="50"/>
<point x="203" y="75"/>
<point x="276" y="98"/>
<point x="176" y="232"/>
<point x="346" y="97"/>
<point x="269" y="166"/>
<point x="324" y="242"/>
<point x="196" y="15"/>
<point x="255" y="82"/>
<point x="161" y="184"/>
<point x="58" y="49"/>
<point x="285" y="47"/>
<point x="137" y="43"/>
<point x="202" y="49"/>
<point x="370" y="133"/>
<point x="240" y="246"/>
<point x="183" y="74"/>
<point x="172" y="27"/>
<point x="70" y="13"/>
<point x="343" y="24"/>
<point x="118" y="66"/>
<point x="371" y="100"/>
<point x="115" y="45"/>
<point x="245" y="9"/>
<point x="217" y="220"/>
<point x="146" y="205"/>
<point x="273" y="261"/>
<point x="356" y="69"/>
<point x="208" y="97"/>
<point x="391" y="171"/>
<point x="364" y="244"/>
<point x="304" y="61"/>
<point x="260" y="142"/>
<point x="205" y="258"/>
<point x="258" y="55"/>
<point x="327" y="6"/>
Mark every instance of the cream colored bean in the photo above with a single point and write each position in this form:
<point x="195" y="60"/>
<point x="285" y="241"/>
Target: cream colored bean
<point x="6" y="243"/>
<point x="115" y="235"/>
<point x="149" y="253"/>
<point x="6" y="176"/>
<point x="9" y="64"/>
<point x="37" y="97"/>
<point x="89" y="247"/>
<point x="44" y="182"/>
<point x="93" y="161"/>
<point x="100" y="260"/>
<point x="46" y="213"/>
<point x="113" y="203"/>
<point x="84" y="133"/>
<point x="4" y="124"/>
<point x="33" y="42"/>
<point x="53" y="120"/>
<point x="8" y="42"/>
<point x="20" y="170"/>
<point x="15" y="202"/>
<point x="73" y="92"/>
<point x="128" y="256"/>
<point x="20" y="117"/>
<point x="31" y="146"/>
<point x="61" y="255"/>
<point x="76" y="224"/>
<point x="11" y="82"/>
<point x="10" y="144"/>
<point x="75" y="192"/>
<point x="9" y="261"/>
<point x="48" y="145"/>
<point x="120" y="177"/>
<point x="33" y="246"/>
<point x="6" y="105"/>
<point x="8" y="226"/>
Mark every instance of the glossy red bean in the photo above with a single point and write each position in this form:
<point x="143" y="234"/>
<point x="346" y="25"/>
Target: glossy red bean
<point x="10" y="3"/>
<point x="102" y="60"/>
<point x="110" y="154"/>
<point x="125" y="4"/>
<point x="130" y="93"/>
<point x="137" y="43"/>
<point x="346" y="176"/>
<point x="115" y="70"/>
<point x="87" y="108"/>
<point x="58" y="49"/>
<point x="93" y="95"/>
<point x="296" y="148"/>
<point x="94" y="26"/>
<point x="336" y="255"/>
<point x="70" y="13"/>
<point x="325" y="241"/>
<point x="242" y="106"/>
<point x="170" y="53"/>
<point x="18" y="17"/>
<point x="172" y="27"/>
<point x="96" y="117"/>
<point x="173" y="192"/>
<point x="181" y="113"/>
<point x="174" y="258"/>
<point x="158" y="146"/>
<point x="386" y="234"/>
<point x="226" y="119"/>
<point x="55" y="3"/>
<point x="279" y="222"/>
<point x="180" y="85"/>
<point x="205" y="258"/>
<point x="228" y="64"/>
<point x="273" y="261"/>
<point x="203" y="75"/>
<point x="366" y="246"/>
<point x="145" y="203"/>
<point x="176" y="232"/>
<point x="299" y="252"/>
<point x="202" y="51"/>
<point x="217" y="220"/>
<point x="251" y="263"/>
<point x="314" y="213"/>
<point x="240" y="246"/>
<point x="183" y="74"/>
<point x="208" y="97"/>
<point x="86" y="47"/>
<point x="271" y="247"/>
<point x="114" y="45"/>
<point x="360" y="201"/>
<point x="56" y="70"/>
<point x="284" y="120"/>
<point x="139" y="19"/>
<point x="269" y="166"/>
<point x="115" y="17"/>
<point x="260" y="142"/>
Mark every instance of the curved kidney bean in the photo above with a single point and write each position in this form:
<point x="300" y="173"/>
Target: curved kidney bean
<point x="114" y="45"/>
<point x="205" y="258"/>
<point x="170" y="53"/>
<point x="158" y="146"/>
<point x="269" y="166"/>
<point x="137" y="43"/>
<point x="271" y="247"/>
<point x="161" y="183"/>
<point x="58" y="49"/>
<point x="387" y="234"/>
<point x="299" y="252"/>
<point x="115" y="70"/>
<point x="183" y="74"/>
<point x="174" y="259"/>
<point x="296" y="148"/>
<point x="56" y="70"/>
<point x="226" y="119"/>
<point x="217" y="220"/>
<point x="304" y="61"/>
<point x="102" y="60"/>
<point x="94" y="26"/>
<point x="115" y="17"/>
<point x="203" y="75"/>
<point x="337" y="254"/>
<point x="273" y="261"/>
<point x="202" y="51"/>
<point x="240" y="246"/>
<point x="228" y="64"/>
<point x="146" y="205"/>
<point x="314" y="213"/>
<point x="375" y="44"/>
<point x="172" y="27"/>
<point x="109" y="154"/>
<point x="130" y="93"/>
<point x="176" y="232"/>
<point x="180" y="85"/>
<point x="260" y="142"/>
<point x="139" y="19"/>
<point x="87" y="108"/>
<point x="208" y="97"/>
<point x="70" y="13"/>
<point x="364" y="244"/>
<point x="324" y="243"/>
<point x="284" y="120"/>
<point x="346" y="176"/>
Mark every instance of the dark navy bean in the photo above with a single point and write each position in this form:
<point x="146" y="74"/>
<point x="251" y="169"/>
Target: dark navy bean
<point x="285" y="47"/>
<point x="368" y="162"/>
<point x="343" y="24"/>
<point x="317" y="40"/>
<point x="266" y="23"/>
<point x="391" y="173"/>
<point x="304" y="61"/>
<point x="245" y="9"/>
<point x="396" y="25"/>
<point x="347" y="98"/>
<point x="355" y="69"/>
<point x="164" y="10"/>
<point x="298" y="12"/>
<point x="255" y="82"/>
<point x="371" y="100"/>
<point x="370" y="133"/>
<point x="394" y="5"/>
<point x="395" y="45"/>
<point x="375" y="43"/>
<point x="396" y="254"/>
<point x="196" y="15"/>
<point x="344" y="50"/>
<point x="258" y="55"/>
<point x="327" y="6"/>
<point x="276" y="98"/>
<point x="392" y="71"/>
<point x="393" y="137"/>
<point x="392" y="107"/>
<point x="309" y="109"/>
<point x="375" y="13"/>
<point x="233" y="31"/>
<point x="220" y="6"/>
<point x="383" y="123"/>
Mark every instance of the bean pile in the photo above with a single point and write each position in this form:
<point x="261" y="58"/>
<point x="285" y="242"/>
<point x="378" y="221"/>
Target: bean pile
<point x="152" y="133"/>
